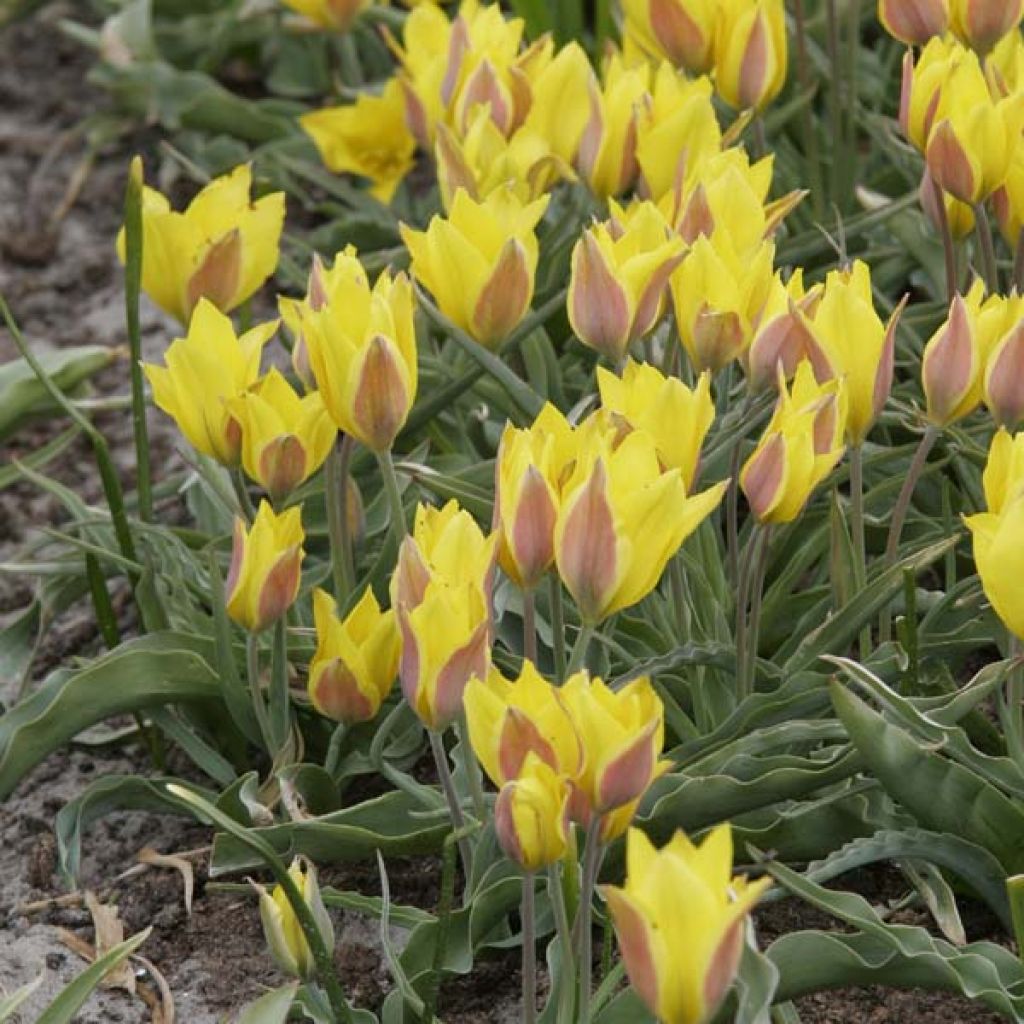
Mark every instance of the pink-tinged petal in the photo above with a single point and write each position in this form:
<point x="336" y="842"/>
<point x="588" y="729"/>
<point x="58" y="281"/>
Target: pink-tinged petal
<point x="578" y="806"/>
<point x="628" y="775"/>
<point x="906" y="92"/>
<point x="717" y="338"/>
<point x="505" y="825"/>
<point x="519" y="737"/>
<point x="886" y="362"/>
<point x="593" y="134"/>
<point x="764" y="476"/>
<point x="336" y="694"/>
<point x="238" y="540"/>
<point x="409" y="662"/>
<point x="280" y="588"/>
<point x="453" y="170"/>
<point x="636" y="943"/>
<point x="649" y="304"/>
<point x="532" y="537"/>
<point x="698" y="219"/>
<point x="283" y="465"/>
<point x="678" y="35"/>
<point x="915" y="21"/>
<point x="1005" y="380"/>
<point x="381" y="399"/>
<point x="468" y="661"/>
<point x="598" y="304"/>
<point x="483" y="87"/>
<point x="411" y="576"/>
<point x="522" y="97"/>
<point x="947" y="370"/>
<point x="949" y="164"/>
<point x="724" y="964"/>
<point x="316" y="288"/>
<point x="785" y="341"/>
<point x="504" y="298"/>
<point x="217" y="278"/>
<point x="416" y="118"/>
<point x="458" y="46"/>
<point x="628" y="167"/>
<point x="825" y="423"/>
<point x="754" y="68"/>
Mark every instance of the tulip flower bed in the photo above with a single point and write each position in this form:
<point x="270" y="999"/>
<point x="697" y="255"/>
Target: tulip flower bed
<point x="556" y="512"/>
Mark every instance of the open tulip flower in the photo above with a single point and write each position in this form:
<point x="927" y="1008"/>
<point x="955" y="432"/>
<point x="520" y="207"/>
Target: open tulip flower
<point x="679" y="920"/>
<point x="222" y="247"/>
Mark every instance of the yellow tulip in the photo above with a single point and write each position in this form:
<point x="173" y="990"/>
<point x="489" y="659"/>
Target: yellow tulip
<point x="675" y="417"/>
<point x="356" y="659"/>
<point x="285" y="938"/>
<point x="856" y="345"/>
<point x="479" y="262"/>
<point x="1008" y="200"/>
<point x="530" y="816"/>
<point x="622" y="518"/>
<point x="981" y="24"/>
<point x="718" y="294"/>
<point x="679" y="31"/>
<point x="750" y="52"/>
<point x="620" y="269"/>
<point x="368" y="138"/>
<point x="285" y="438"/>
<point x="679" y="920"/>
<point x="1004" y="380"/>
<point x="203" y="371"/>
<point x="621" y="733"/>
<point x="1005" y="64"/>
<point x="914" y="22"/>
<point x="330" y="14"/>
<point x="222" y="247"/>
<point x="924" y="85"/>
<point x="510" y="721"/>
<point x="529" y="469"/>
<point x="1003" y="479"/>
<point x="999" y="558"/>
<point x="561" y="100"/>
<point x="801" y="445"/>
<point x="361" y="346"/>
<point x="266" y="567"/>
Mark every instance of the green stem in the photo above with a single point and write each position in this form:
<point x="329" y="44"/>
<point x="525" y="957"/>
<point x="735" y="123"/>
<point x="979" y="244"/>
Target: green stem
<point x="591" y="851"/>
<point x="390" y="478"/>
<point x="812" y="156"/>
<point x="1015" y="892"/>
<point x="557" y="627"/>
<point x="860" y="560"/>
<point x="759" y="559"/>
<point x="245" y="506"/>
<point x="448" y="788"/>
<point x="530" y="625"/>
<point x="280" y="718"/>
<point x="1015" y="703"/>
<point x="835" y="97"/>
<point x="336" y="483"/>
<point x="259" y="706"/>
<point x="1018" y="264"/>
<point x="988" y="249"/>
<point x="556" y="895"/>
<point x="528" y="917"/>
<point x="948" y="248"/>
<point x="578" y="658"/>
<point x="476" y="789"/>
<point x="850" y="104"/>
<point x="334" y="749"/>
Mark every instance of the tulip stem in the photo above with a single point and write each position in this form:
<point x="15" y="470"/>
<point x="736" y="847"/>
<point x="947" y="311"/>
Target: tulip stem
<point x="578" y="657"/>
<point x="1015" y="702"/>
<point x="860" y="558"/>
<point x="476" y="789"/>
<point x="585" y="937"/>
<point x="530" y="626"/>
<point x="948" y="249"/>
<point x="1018" y="263"/>
<point x="557" y="627"/>
<point x="336" y="483"/>
<point x="751" y="586"/>
<point x="387" y="472"/>
<point x="334" y="749"/>
<point x="259" y="707"/>
<point x="811" y="154"/>
<point x="245" y="508"/>
<point x="528" y="919"/>
<point x="732" y="496"/>
<point x="987" y="246"/>
<point x="567" y="985"/>
<point x="444" y="775"/>
<point x="899" y="514"/>
<point x="835" y="98"/>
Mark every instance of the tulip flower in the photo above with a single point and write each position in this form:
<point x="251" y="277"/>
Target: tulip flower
<point x="203" y="371"/>
<point x="999" y="558"/>
<point x="356" y="659"/>
<point x="622" y="518"/>
<point x="510" y="721"/>
<point x="1003" y="479"/>
<point x="856" y="345"/>
<point x="619" y="272"/>
<point x="531" y="816"/>
<point x="959" y="216"/>
<point x="281" y="928"/>
<point x="924" y="85"/>
<point x="338" y="15"/>
<point x="528" y="478"/>
<point x="675" y="417"/>
<point x="222" y="247"/>
<point x="1008" y="200"/>
<point x="1004" y="375"/>
<point x="750" y="52"/>
<point x="607" y="152"/>
<point x="285" y="438"/>
<point x="368" y="138"/>
<point x="621" y="733"/>
<point x="980" y="24"/>
<point x="679" y="920"/>
<point x="681" y="32"/>
<point x="479" y="262"/>
<point x="801" y="445"/>
<point x="266" y="566"/>
<point x="717" y="294"/>
<point x="914" y="22"/>
<point x="362" y="352"/>
<point x="560" y="104"/>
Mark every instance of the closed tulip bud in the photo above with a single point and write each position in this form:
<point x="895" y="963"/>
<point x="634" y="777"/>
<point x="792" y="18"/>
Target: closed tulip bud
<point x="606" y="159"/>
<point x="622" y="518"/>
<point x="338" y="15"/>
<point x="924" y="84"/>
<point x="222" y="247"/>
<point x="531" y="816"/>
<point x="266" y="567"/>
<point x="959" y="216"/>
<point x="281" y="928"/>
<point x="980" y="24"/>
<point x="679" y="921"/>
<point x="621" y="733"/>
<point x="1004" y="378"/>
<point x="801" y="445"/>
<point x="856" y="345"/>
<point x="679" y="31"/>
<point x="510" y="721"/>
<point x="619" y="274"/>
<point x="914" y="22"/>
<point x="362" y="352"/>
<point x="999" y="558"/>
<point x="1008" y="200"/>
<point x="203" y="372"/>
<point x="356" y="659"/>
<point x="717" y="295"/>
<point x="750" y="52"/>
<point x="368" y="138"/>
<point x="528" y="480"/>
<point x="493" y="246"/>
<point x="675" y="417"/>
<point x="285" y="438"/>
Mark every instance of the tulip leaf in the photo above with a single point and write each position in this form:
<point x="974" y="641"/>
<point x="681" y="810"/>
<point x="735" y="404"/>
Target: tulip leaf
<point x="10" y="1003"/>
<point x="624" y="1008"/>
<point x="942" y="795"/>
<point x="271" y="1008"/>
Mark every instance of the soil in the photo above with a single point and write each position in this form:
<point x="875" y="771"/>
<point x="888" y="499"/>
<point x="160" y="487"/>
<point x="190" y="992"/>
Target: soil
<point x="61" y="278"/>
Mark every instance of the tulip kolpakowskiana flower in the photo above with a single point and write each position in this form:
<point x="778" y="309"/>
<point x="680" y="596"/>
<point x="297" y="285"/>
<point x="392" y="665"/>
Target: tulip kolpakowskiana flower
<point x="924" y="83"/>
<point x="531" y="816"/>
<point x="914" y="22"/>
<point x="750" y="52"/>
<point x="203" y="372"/>
<point x="285" y="438"/>
<point x="330" y="14"/>
<point x="493" y="246"/>
<point x="281" y="928"/>
<point x="356" y="659"/>
<point x="266" y="567"/>
<point x="981" y="24"/>
<point x="622" y="518"/>
<point x="680" y="31"/>
<point x="361" y="345"/>
<point x="801" y="445"/>
<point x="619" y="272"/>
<point x="679" y="920"/>
<point x="1003" y="479"/>
<point x="222" y="247"/>
<point x="1004" y="373"/>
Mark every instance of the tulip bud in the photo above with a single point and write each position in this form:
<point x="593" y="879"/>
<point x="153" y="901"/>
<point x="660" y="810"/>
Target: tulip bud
<point x="750" y="52"/>
<point x="952" y="363"/>
<point x="266" y="566"/>
<point x="531" y="816"/>
<point x="783" y="336"/>
<point x="680" y="31"/>
<point x="281" y="928"/>
<point x="980" y="24"/>
<point x="1004" y="378"/>
<point x="356" y="659"/>
<point x="914" y="22"/>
